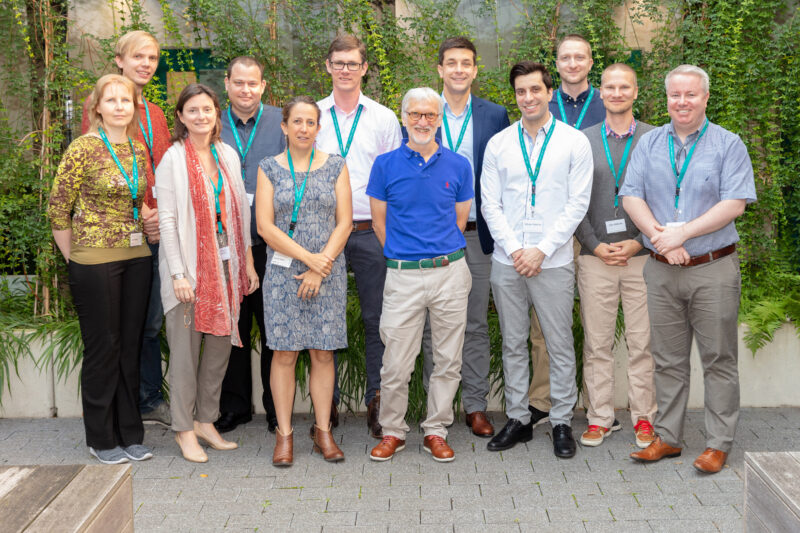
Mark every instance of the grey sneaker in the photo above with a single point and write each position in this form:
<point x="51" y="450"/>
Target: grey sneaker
<point x="114" y="456"/>
<point x="159" y="415"/>
<point x="138" y="452"/>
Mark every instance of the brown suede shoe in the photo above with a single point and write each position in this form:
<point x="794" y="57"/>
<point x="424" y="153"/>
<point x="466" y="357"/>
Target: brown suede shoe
<point x="386" y="449"/>
<point x="282" y="456"/>
<point x="373" y="409"/>
<point x="656" y="451"/>
<point x="480" y="424"/>
<point x="711" y="461"/>
<point x="438" y="448"/>
<point x="324" y="444"/>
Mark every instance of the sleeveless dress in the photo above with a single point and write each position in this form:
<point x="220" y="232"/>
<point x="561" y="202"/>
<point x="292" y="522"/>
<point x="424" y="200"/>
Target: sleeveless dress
<point x="320" y="322"/>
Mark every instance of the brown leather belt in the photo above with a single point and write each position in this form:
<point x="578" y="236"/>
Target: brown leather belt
<point x="699" y="259"/>
<point x="471" y="226"/>
<point x="362" y="225"/>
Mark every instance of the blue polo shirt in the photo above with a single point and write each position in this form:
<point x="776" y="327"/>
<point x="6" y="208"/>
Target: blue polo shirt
<point x="421" y="201"/>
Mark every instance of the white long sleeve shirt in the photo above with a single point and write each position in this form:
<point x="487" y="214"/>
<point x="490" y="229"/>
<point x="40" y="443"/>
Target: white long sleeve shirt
<point x="563" y="191"/>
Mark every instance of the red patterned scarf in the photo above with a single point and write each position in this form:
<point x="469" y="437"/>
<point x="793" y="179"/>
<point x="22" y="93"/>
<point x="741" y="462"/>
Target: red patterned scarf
<point x="216" y="309"/>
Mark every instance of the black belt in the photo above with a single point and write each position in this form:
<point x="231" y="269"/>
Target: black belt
<point x="471" y="226"/>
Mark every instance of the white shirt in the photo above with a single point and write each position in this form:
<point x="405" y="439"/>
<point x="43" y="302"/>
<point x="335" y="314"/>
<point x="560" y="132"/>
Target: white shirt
<point x="563" y="191"/>
<point x="466" y="148"/>
<point x="377" y="132"/>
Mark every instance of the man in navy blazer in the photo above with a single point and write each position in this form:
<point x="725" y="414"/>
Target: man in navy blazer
<point x="467" y="125"/>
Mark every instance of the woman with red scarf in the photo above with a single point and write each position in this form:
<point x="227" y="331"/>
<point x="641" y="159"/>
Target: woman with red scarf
<point x="205" y="265"/>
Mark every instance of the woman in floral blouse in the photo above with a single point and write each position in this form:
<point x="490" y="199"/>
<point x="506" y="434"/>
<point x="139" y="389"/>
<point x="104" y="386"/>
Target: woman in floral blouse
<point x="95" y="213"/>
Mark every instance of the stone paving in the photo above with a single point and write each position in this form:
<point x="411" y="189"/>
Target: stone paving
<point x="522" y="489"/>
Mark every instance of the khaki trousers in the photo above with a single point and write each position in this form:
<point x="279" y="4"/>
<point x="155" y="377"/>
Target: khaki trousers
<point x="407" y="296"/>
<point x="601" y="286"/>
<point x="195" y="383"/>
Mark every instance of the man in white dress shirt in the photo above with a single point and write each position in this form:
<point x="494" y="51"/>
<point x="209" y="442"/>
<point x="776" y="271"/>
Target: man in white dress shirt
<point x="359" y="129"/>
<point x="536" y="186"/>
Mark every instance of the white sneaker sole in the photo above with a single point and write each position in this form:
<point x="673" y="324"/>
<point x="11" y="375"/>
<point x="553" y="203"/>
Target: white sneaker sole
<point x="598" y="442"/>
<point x="119" y="461"/>
<point x="382" y="459"/>
<point x="643" y="444"/>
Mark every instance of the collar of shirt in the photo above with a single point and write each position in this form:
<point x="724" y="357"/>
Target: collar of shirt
<point x="689" y="138"/>
<point x="581" y="97"/>
<point x="449" y="110"/>
<point x="330" y="102"/>
<point x="614" y="134"/>
<point x="410" y="154"/>
<point x="238" y="121"/>
<point x="541" y="131"/>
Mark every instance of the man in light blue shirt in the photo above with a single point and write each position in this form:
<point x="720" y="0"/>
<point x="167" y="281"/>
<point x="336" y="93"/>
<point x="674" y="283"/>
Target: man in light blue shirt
<point x="687" y="183"/>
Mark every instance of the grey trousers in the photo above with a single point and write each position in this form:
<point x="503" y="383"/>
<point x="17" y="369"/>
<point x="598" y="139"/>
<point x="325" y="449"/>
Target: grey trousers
<point x="700" y="302"/>
<point x="475" y="355"/>
<point x="552" y="295"/>
<point x="195" y="383"/>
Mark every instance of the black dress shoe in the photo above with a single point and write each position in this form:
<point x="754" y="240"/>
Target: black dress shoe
<point x="538" y="417"/>
<point x="272" y="423"/>
<point x="513" y="432"/>
<point x="228" y="421"/>
<point x="563" y="443"/>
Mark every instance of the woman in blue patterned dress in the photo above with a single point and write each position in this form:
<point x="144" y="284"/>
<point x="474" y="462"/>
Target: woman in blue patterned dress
<point x="304" y="213"/>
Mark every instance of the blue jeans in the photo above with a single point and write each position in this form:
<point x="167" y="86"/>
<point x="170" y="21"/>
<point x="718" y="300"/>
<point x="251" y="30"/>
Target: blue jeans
<point x="150" y="374"/>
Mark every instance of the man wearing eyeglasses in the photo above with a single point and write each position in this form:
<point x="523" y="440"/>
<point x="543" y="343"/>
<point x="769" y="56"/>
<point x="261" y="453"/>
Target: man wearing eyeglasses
<point x="420" y="196"/>
<point x="359" y="129"/>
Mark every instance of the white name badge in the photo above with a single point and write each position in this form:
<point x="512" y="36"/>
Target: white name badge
<point x="615" y="226"/>
<point x="532" y="226"/>
<point x="136" y="239"/>
<point x="280" y="260"/>
<point x="532" y="233"/>
<point x="675" y="224"/>
<point x="225" y="253"/>
<point x="251" y="198"/>
<point x="155" y="195"/>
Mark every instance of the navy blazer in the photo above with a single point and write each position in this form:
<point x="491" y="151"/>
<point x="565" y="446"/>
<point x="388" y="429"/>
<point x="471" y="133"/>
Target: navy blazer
<point x="487" y="119"/>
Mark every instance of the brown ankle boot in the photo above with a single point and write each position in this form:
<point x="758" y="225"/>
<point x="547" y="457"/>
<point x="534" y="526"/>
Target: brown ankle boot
<point x="282" y="456"/>
<point x="324" y="443"/>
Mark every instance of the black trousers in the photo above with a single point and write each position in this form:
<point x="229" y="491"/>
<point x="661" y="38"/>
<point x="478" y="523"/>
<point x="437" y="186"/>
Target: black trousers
<point x="111" y="301"/>
<point x="237" y="386"/>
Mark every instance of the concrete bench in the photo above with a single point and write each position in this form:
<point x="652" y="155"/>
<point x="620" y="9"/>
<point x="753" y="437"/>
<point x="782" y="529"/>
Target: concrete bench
<point x="48" y="498"/>
<point x="771" y="491"/>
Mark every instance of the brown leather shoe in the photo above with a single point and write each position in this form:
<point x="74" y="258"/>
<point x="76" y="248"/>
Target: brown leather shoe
<point x="334" y="415"/>
<point x="480" y="424"/>
<point x="656" y="451"/>
<point x="373" y="409"/>
<point x="711" y="461"/>
<point x="386" y="448"/>
<point x="438" y="448"/>
<point x="324" y="444"/>
<point x="282" y="456"/>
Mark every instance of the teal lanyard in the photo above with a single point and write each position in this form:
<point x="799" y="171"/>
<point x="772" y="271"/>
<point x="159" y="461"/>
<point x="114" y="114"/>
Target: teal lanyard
<point x="534" y="174"/>
<point x="618" y="172"/>
<point x="344" y="150"/>
<point x="583" y="111"/>
<point x="133" y="184"/>
<point x="148" y="137"/>
<point x="235" y="132"/>
<point x="689" y="155"/>
<point x="299" y="192"/>
<point x="463" y="130"/>
<point x="217" y="189"/>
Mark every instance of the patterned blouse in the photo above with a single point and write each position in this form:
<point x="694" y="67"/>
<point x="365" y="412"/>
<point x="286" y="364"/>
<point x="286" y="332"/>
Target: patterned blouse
<point x="91" y="196"/>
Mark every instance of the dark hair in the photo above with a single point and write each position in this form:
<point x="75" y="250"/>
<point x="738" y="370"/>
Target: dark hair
<point x="345" y="43"/>
<point x="457" y="42"/>
<point x="245" y="61"/>
<point x="302" y="99"/>
<point x="529" y="67"/>
<point x="194" y="89"/>
<point x="574" y="37"/>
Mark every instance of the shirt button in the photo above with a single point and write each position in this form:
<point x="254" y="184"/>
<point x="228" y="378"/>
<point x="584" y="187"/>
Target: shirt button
<point x="420" y="164"/>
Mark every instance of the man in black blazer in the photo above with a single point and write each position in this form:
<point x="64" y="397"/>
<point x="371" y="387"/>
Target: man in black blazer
<point x="467" y="125"/>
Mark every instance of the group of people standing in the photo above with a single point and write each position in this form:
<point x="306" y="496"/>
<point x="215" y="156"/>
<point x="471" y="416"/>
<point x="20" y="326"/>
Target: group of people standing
<point x="257" y="212"/>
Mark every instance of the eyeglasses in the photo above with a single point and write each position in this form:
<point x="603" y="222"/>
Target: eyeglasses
<point x="339" y="65"/>
<point x="414" y="116"/>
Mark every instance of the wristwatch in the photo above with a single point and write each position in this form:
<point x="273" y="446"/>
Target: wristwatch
<point x="176" y="277"/>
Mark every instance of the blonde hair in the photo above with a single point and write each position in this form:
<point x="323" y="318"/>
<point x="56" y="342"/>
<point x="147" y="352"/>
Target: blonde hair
<point x="95" y="118"/>
<point x="133" y="41"/>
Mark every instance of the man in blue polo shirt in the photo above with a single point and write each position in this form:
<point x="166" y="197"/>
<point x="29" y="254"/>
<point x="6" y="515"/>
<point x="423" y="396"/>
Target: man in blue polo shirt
<point x="420" y="197"/>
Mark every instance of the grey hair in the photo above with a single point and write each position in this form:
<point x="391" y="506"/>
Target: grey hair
<point x="421" y="94"/>
<point x="688" y="69"/>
